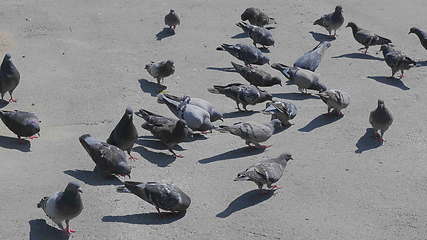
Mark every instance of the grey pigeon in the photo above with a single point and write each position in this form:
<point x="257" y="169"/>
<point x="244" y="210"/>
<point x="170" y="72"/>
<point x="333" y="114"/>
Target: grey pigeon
<point x="163" y="196"/>
<point x="266" y="172"/>
<point x="246" y="53"/>
<point x="124" y="135"/>
<point x="336" y="100"/>
<point x="253" y="133"/>
<point x="160" y="70"/>
<point x="284" y="111"/>
<point x="257" y="17"/>
<point x="311" y="59"/>
<point x="109" y="159"/>
<point x="23" y="124"/>
<point x="9" y="77"/>
<point x="153" y="119"/>
<point x="366" y="38"/>
<point x="421" y="35"/>
<point x="257" y="76"/>
<point x="242" y="94"/>
<point x="304" y="79"/>
<point x="63" y="206"/>
<point x="258" y="35"/>
<point x="214" y="114"/>
<point x="196" y="118"/>
<point x="332" y="21"/>
<point x="396" y="60"/>
<point x="172" y="19"/>
<point x="380" y="119"/>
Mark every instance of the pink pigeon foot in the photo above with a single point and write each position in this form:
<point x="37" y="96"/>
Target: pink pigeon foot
<point x="12" y="100"/>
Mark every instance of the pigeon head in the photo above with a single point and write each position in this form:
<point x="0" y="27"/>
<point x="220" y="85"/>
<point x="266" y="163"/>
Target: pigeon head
<point x="172" y="11"/>
<point x="352" y="25"/>
<point x="326" y="44"/>
<point x="276" y="80"/>
<point x="285" y="156"/>
<point x="338" y="9"/>
<point x="123" y="169"/>
<point x="413" y="30"/>
<point x="217" y="116"/>
<point x="73" y="187"/>
<point x="269" y="41"/>
<point x="246" y="15"/>
<point x="385" y="47"/>
<point x="138" y="188"/>
<point x="242" y="177"/>
<point x="265" y="96"/>
<point x="380" y="103"/>
<point x="169" y="63"/>
<point x="35" y="125"/>
<point x="7" y="56"/>
<point x="129" y="113"/>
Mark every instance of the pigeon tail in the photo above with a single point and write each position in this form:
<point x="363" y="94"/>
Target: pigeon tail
<point x="381" y="41"/>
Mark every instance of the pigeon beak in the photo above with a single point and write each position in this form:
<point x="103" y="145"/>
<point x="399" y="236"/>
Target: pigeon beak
<point x="80" y="190"/>
<point x="409" y="32"/>
<point x="222" y="119"/>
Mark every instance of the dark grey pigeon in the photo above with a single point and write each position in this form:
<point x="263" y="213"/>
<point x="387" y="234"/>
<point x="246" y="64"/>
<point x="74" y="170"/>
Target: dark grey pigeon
<point x="163" y="196"/>
<point x="23" y="124"/>
<point x="108" y="158"/>
<point x="304" y="79"/>
<point x="421" y="35"/>
<point x="160" y="70"/>
<point x="366" y="38"/>
<point x="153" y="119"/>
<point x="246" y="53"/>
<point x="9" y="77"/>
<point x="396" y="60"/>
<point x="172" y="19"/>
<point x="242" y="94"/>
<point x="257" y="76"/>
<point x="380" y="119"/>
<point x="284" y="111"/>
<point x="258" y="35"/>
<point x="266" y="172"/>
<point x="124" y="135"/>
<point x="63" y="206"/>
<point x="311" y="59"/>
<point x="257" y="17"/>
<point x="332" y="21"/>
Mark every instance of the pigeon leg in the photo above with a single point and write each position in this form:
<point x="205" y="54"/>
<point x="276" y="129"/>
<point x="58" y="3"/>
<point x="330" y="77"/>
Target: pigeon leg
<point x="259" y="146"/>
<point x="158" y="80"/>
<point x="401" y="75"/>
<point x="275" y="187"/>
<point x="329" y="110"/>
<point x="33" y="137"/>
<point x="238" y="107"/>
<point x="132" y="157"/>
<point x="254" y="43"/>
<point x="68" y="229"/>
<point x="158" y="210"/>
<point x="174" y="154"/>
<point x="11" y="99"/>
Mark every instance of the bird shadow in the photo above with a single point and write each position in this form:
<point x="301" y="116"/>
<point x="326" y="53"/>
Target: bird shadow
<point x="3" y="103"/>
<point x="359" y="56"/>
<point x="14" y="143"/>
<point x="238" y="114"/>
<point x="320" y="121"/>
<point x="39" y="229"/>
<point x="152" y="218"/>
<point x="395" y="82"/>
<point x="223" y="69"/>
<point x="233" y="154"/>
<point x="295" y="96"/>
<point x="93" y="178"/>
<point x="320" y="37"/>
<point x="246" y="200"/>
<point x="367" y="141"/>
<point x="240" y="35"/>
<point x="164" y="33"/>
<point x="150" y="87"/>
<point x="421" y="64"/>
<point x="161" y="159"/>
<point x="156" y="144"/>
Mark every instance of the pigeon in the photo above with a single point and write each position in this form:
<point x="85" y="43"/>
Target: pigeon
<point x="257" y="17"/>
<point x="214" y="114"/>
<point x="172" y="19"/>
<point x="396" y="60"/>
<point x="63" y="206"/>
<point x="311" y="59"/>
<point x="332" y="21"/>
<point x="108" y="158"/>
<point x="258" y="35"/>
<point x="124" y="135"/>
<point x="335" y="99"/>
<point x="9" y="77"/>
<point x="284" y="111"/>
<point x="266" y="172"/>
<point x="163" y="196"/>
<point x="421" y="35"/>
<point x="253" y="133"/>
<point x="246" y="53"/>
<point x="304" y="79"/>
<point x="366" y="38"/>
<point x="153" y="119"/>
<point x="160" y="70"/>
<point x="242" y="94"/>
<point x="196" y="118"/>
<point x="257" y="76"/>
<point x="380" y="119"/>
<point x="23" y="124"/>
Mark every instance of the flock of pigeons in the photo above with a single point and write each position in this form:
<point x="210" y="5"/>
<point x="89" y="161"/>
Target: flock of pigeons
<point x="195" y="115"/>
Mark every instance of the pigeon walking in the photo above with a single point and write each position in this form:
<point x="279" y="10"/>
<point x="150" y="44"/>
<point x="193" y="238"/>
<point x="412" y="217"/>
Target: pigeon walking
<point x="242" y="94"/>
<point x="23" y="124"/>
<point x="246" y="53"/>
<point x="63" y="206"/>
<point x="304" y="79"/>
<point x="421" y="35"/>
<point x="124" y="135"/>
<point x="332" y="21"/>
<point x="160" y="70"/>
<point x="266" y="172"/>
<point x="257" y="17"/>
<point x="336" y="100"/>
<point x="311" y="59"/>
<point x="163" y="196"/>
<point x="380" y="119"/>
<point x="109" y="159"/>
<point x="258" y="35"/>
<point x="253" y="133"/>
<point x="9" y="77"/>
<point x="172" y="19"/>
<point x="366" y="38"/>
<point x="257" y="76"/>
<point x="396" y="60"/>
<point x="154" y="119"/>
<point x="284" y="111"/>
